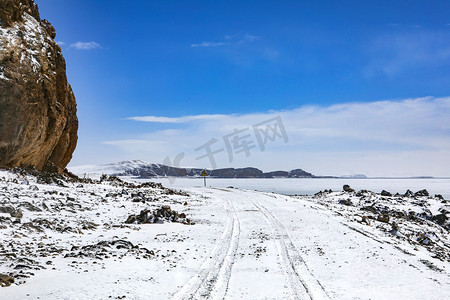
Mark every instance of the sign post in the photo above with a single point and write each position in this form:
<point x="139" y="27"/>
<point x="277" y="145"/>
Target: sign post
<point x="204" y="177"/>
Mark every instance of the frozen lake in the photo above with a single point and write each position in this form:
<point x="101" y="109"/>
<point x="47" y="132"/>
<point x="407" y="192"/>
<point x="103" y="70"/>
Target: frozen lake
<point x="309" y="186"/>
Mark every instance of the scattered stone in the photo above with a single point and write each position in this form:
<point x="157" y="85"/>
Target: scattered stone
<point x="422" y="193"/>
<point x="17" y="214"/>
<point x="107" y="249"/>
<point x="347" y="188"/>
<point x="347" y="202"/>
<point x="365" y="219"/>
<point x="440" y="219"/>
<point x="408" y="193"/>
<point x="385" y="193"/>
<point x="6" y="280"/>
<point x="7" y="209"/>
<point x="383" y="218"/>
<point x="165" y="213"/>
<point x="394" y="226"/>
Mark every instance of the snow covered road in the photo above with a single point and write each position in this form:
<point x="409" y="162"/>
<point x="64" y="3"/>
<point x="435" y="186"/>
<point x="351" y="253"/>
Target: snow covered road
<point x="277" y="247"/>
<point x="253" y="258"/>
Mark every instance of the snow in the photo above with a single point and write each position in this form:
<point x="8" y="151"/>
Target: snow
<point x="94" y="171"/>
<point x="34" y="37"/>
<point x="244" y="245"/>
<point x="2" y="76"/>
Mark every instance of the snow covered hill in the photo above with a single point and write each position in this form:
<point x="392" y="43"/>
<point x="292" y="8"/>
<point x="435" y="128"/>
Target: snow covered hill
<point x="143" y="170"/>
<point x="65" y="239"/>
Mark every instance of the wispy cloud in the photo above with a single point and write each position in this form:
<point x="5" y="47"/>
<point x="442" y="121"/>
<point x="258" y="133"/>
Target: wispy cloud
<point x="183" y="119"/>
<point x="228" y="40"/>
<point x="85" y="45"/>
<point x="400" y="138"/>
<point x="209" y="44"/>
<point x="395" y="53"/>
<point x="61" y="43"/>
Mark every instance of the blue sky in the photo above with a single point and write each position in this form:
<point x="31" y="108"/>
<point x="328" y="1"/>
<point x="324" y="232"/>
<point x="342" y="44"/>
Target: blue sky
<point x="244" y="59"/>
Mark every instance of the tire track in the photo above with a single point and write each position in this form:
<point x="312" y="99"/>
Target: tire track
<point x="302" y="283"/>
<point x="213" y="278"/>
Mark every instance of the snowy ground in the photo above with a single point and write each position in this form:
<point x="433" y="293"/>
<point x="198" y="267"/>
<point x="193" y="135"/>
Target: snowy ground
<point x="72" y="242"/>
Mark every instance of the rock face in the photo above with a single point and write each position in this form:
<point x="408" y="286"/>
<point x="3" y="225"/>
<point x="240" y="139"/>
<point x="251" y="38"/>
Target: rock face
<point x="38" y="122"/>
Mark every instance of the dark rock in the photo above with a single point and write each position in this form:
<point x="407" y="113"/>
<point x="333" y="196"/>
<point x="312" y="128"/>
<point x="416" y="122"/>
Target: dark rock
<point x="408" y="194"/>
<point x="6" y="280"/>
<point x="394" y="227"/>
<point x="362" y="193"/>
<point x="165" y="213"/>
<point x="440" y="219"/>
<point x="422" y="193"/>
<point x="370" y="208"/>
<point x="17" y="214"/>
<point x="347" y="202"/>
<point x="7" y="209"/>
<point x="383" y="218"/>
<point x="385" y="193"/>
<point x="347" y="188"/>
<point x="424" y="240"/>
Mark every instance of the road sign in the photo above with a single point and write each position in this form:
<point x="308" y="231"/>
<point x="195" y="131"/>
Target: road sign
<point x="204" y="177"/>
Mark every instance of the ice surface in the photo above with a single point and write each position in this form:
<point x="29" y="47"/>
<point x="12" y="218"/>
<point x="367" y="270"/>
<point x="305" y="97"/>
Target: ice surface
<point x="309" y="186"/>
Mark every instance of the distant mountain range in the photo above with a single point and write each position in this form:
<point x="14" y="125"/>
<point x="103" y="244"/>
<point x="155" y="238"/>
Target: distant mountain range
<point x="144" y="170"/>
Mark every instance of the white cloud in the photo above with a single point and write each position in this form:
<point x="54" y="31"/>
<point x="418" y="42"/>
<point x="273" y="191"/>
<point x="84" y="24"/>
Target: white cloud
<point x="399" y="138"/>
<point x="209" y="44"/>
<point x="85" y="45"/>
<point x="229" y="41"/>
<point x="185" y="119"/>
<point x="396" y="53"/>
<point x="61" y="43"/>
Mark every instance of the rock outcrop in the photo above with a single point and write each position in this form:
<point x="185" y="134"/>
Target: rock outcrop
<point x="38" y="122"/>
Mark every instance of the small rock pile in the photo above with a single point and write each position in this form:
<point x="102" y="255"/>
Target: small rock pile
<point x="106" y="249"/>
<point x="160" y="215"/>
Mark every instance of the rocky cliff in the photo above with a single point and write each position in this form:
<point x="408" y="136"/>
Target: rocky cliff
<point x="38" y="122"/>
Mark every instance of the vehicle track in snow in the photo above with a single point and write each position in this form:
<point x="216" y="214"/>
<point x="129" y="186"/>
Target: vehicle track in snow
<point x="211" y="282"/>
<point x="302" y="283"/>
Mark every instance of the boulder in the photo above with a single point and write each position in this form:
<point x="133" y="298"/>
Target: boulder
<point x="347" y="202"/>
<point x="38" y="122"/>
<point x="383" y="218"/>
<point x="441" y="219"/>
<point x="6" y="280"/>
<point x="408" y="193"/>
<point x="347" y="188"/>
<point x="385" y="193"/>
<point x="422" y="193"/>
